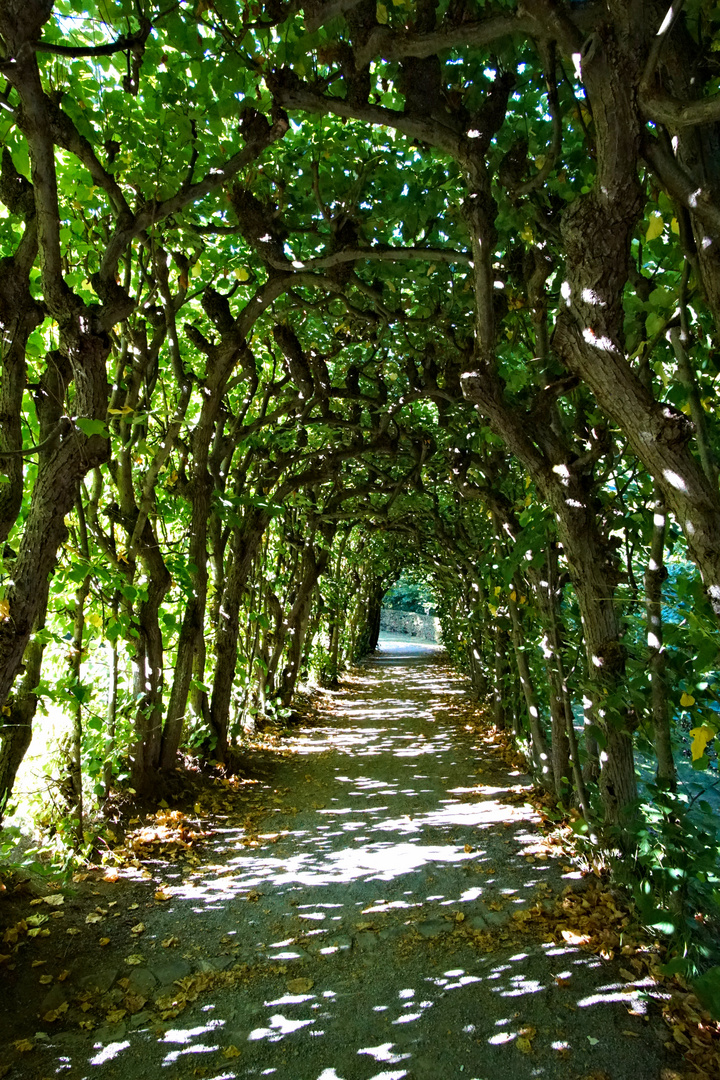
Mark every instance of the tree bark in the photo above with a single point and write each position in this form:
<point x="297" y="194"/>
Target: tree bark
<point x="148" y="667"/>
<point x="540" y="749"/>
<point x="245" y="544"/>
<point x="19" y="711"/>
<point x="655" y="574"/>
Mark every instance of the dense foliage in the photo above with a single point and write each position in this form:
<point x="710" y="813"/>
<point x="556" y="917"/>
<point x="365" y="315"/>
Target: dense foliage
<point x="297" y="296"/>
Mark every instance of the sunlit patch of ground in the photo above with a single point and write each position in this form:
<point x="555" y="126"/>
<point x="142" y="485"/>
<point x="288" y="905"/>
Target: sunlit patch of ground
<point x="381" y="906"/>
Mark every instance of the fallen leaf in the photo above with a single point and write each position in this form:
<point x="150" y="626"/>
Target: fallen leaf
<point x="135" y="959"/>
<point x="524" y="1045"/>
<point x="72" y="930"/>
<point x="169" y="942"/>
<point x="39" y="963"/>
<point x="231" y="1052"/>
<point x="45" y="980"/>
<point x="55" y="900"/>
<point x="104" y="941"/>
<point x="93" y="917"/>
<point x="52" y="1016"/>
<point x="138" y="929"/>
<point x="593" y="1042"/>
<point x="23" y="1046"/>
<point x="161" y="896"/>
<point x="300" y="986"/>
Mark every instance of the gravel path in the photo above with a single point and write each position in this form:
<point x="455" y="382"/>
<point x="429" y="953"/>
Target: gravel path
<point x="363" y="932"/>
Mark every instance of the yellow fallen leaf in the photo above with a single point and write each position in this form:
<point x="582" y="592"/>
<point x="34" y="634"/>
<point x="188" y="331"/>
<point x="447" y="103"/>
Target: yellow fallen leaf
<point x="524" y="1045"/>
<point x="135" y="959"/>
<point x="55" y="900"/>
<point x="52" y="1016"/>
<point x="231" y="1052"/>
<point x="139" y="928"/>
<point x="93" y="917"/>
<point x="104" y="941"/>
<point x="299" y="986"/>
<point x="45" y="980"/>
<point x="161" y="896"/>
<point x="39" y="963"/>
<point x="23" y="1045"/>
<point x="169" y="942"/>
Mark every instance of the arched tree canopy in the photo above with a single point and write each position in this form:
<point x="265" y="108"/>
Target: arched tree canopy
<point x="296" y="295"/>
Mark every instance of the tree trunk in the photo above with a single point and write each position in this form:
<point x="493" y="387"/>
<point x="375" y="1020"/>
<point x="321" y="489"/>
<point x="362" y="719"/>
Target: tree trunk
<point x="19" y="712"/>
<point x="540" y="750"/>
<point x="148" y="668"/>
<point x="193" y="624"/>
<point x="245" y="544"/>
<point x="499" y="711"/>
<point x="112" y="707"/>
<point x="655" y="574"/>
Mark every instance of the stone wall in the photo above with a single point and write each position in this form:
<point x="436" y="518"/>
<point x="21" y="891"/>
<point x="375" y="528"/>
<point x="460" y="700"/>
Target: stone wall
<point x="425" y="627"/>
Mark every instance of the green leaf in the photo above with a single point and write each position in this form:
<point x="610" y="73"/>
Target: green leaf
<point x="92" y="427"/>
<point x="707" y="990"/>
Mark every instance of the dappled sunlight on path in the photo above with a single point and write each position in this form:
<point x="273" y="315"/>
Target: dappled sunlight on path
<point x="366" y="930"/>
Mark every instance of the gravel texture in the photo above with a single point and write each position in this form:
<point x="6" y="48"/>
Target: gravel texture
<point x="353" y="923"/>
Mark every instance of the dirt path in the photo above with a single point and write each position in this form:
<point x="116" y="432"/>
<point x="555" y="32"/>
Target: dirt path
<point x="368" y="936"/>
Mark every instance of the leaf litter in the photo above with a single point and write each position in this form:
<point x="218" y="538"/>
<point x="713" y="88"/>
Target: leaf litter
<point x="592" y="917"/>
